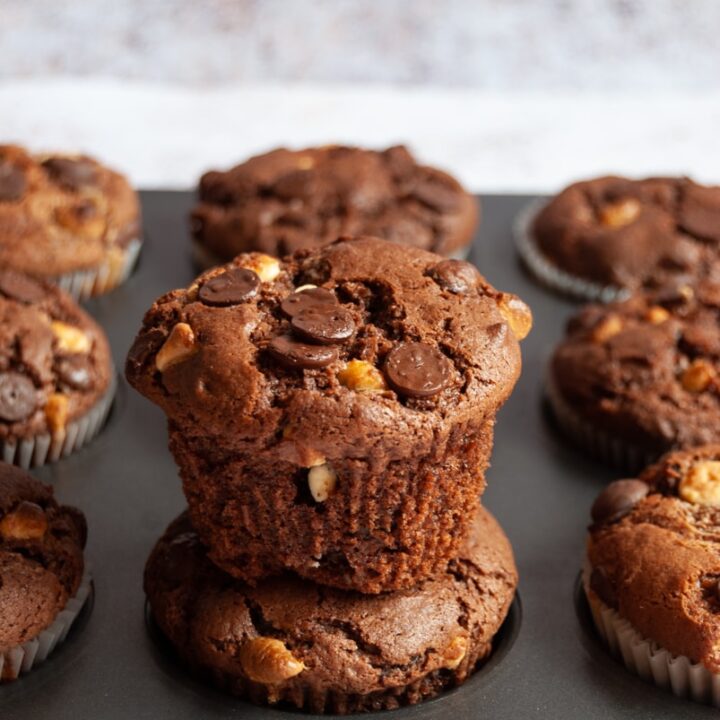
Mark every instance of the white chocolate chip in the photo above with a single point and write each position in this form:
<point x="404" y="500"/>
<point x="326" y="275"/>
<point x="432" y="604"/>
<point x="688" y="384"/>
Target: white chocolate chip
<point x="179" y="346"/>
<point x="70" y="339"/>
<point x="322" y="480"/>
<point x="701" y="484"/>
<point x="267" y="268"/>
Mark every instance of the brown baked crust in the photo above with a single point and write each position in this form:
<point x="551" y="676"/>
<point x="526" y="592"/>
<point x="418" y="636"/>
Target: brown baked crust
<point x="658" y="564"/>
<point x="51" y="345"/>
<point x="285" y="200"/>
<point x="644" y="370"/>
<point x="56" y="226"/>
<point x="359" y="652"/>
<point x="41" y="556"/>
<point x="245" y="430"/>
<point x="672" y="229"/>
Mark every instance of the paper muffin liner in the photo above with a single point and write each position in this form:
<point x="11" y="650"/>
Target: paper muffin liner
<point x="548" y="273"/>
<point x="22" y="658"/>
<point x="611" y="449"/>
<point x="50" y="447"/>
<point x="645" y="658"/>
<point x="84" y="284"/>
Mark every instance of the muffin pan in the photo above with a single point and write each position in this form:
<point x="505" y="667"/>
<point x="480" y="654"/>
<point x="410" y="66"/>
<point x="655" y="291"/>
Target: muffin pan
<point x="548" y="663"/>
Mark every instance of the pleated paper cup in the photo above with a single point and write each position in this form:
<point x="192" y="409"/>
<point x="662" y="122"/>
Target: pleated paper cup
<point x="84" y="284"/>
<point x="50" y="447"/>
<point x="610" y="449"/>
<point x="645" y="658"/>
<point x="549" y="274"/>
<point x="23" y="658"/>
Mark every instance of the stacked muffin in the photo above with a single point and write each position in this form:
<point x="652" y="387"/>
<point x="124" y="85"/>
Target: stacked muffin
<point x="332" y="416"/>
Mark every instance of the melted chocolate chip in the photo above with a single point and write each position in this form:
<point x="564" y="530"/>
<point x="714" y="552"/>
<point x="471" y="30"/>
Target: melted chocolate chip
<point x="294" y="354"/>
<point x="12" y="182"/>
<point x="75" y="372"/>
<point x="617" y="500"/>
<point x="71" y="173"/>
<point x="436" y="194"/>
<point x="17" y="397"/>
<point x="231" y="288"/>
<point x="417" y="370"/>
<point x="603" y="588"/>
<point x="20" y="287"/>
<point x="326" y="326"/>
<point x="456" y="276"/>
<point x="316" y="299"/>
<point x="144" y="346"/>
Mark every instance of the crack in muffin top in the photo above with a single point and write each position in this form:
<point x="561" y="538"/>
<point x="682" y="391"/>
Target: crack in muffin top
<point x="352" y="340"/>
<point x="286" y="200"/>
<point x="62" y="213"/>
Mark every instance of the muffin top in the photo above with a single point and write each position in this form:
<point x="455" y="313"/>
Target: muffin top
<point x="646" y="368"/>
<point x="289" y="634"/>
<point x="632" y="233"/>
<point x="41" y="556"/>
<point x="359" y="346"/>
<point x="653" y="552"/>
<point x="285" y="200"/>
<point x="62" y="213"/>
<point x="54" y="359"/>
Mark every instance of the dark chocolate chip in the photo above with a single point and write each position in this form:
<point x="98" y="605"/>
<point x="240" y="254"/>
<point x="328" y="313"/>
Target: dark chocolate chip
<point x="145" y="345"/>
<point x="18" y="399"/>
<point x="617" y="500"/>
<point x="326" y="326"/>
<point x="231" y="288"/>
<point x="294" y="354"/>
<point x="417" y="370"/>
<point x="75" y="372"/>
<point x="317" y="299"/>
<point x="12" y="182"/>
<point x="602" y="587"/>
<point x="71" y="173"/>
<point x="436" y="194"/>
<point x="457" y="276"/>
<point x="20" y="287"/>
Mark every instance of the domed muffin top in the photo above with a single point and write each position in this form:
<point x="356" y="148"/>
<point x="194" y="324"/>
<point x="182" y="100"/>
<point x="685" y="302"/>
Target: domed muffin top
<point x="62" y="213"/>
<point x="362" y="339"/>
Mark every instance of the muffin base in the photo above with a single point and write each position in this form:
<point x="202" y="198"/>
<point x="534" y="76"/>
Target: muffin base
<point x="604" y="446"/>
<point x="48" y="448"/>
<point x="549" y="274"/>
<point x="84" y="284"/>
<point x="645" y="658"/>
<point x="23" y="658"/>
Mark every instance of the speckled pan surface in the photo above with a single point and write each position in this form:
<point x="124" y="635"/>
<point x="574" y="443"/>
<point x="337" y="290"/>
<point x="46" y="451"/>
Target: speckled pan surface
<point x="112" y="668"/>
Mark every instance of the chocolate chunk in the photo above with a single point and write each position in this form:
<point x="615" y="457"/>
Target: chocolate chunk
<point x="316" y="299"/>
<point x="71" y="174"/>
<point x="144" y="346"/>
<point x="12" y="182"/>
<point x="436" y="194"/>
<point x="294" y="354"/>
<point x="603" y="588"/>
<point x="617" y="500"/>
<point x="231" y="288"/>
<point x="20" y="287"/>
<point x="326" y="326"/>
<point x="18" y="399"/>
<point x="75" y="372"/>
<point x="417" y="370"/>
<point x="457" y="276"/>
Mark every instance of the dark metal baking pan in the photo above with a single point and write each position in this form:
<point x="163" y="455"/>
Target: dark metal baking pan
<point x="548" y="666"/>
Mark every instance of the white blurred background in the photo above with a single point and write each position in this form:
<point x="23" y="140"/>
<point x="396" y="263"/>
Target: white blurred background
<point x="512" y="95"/>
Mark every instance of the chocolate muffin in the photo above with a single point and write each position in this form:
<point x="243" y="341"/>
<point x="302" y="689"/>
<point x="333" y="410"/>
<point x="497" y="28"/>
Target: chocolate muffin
<point x="56" y="376"/>
<point x="286" y="200"/>
<point x="41" y="566"/>
<point x="610" y="235"/>
<point x="654" y="568"/>
<point x="333" y="413"/>
<point x="634" y="379"/>
<point x="290" y="641"/>
<point x="67" y="219"/>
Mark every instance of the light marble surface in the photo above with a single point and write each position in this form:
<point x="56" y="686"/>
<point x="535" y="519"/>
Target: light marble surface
<point x="165" y="136"/>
